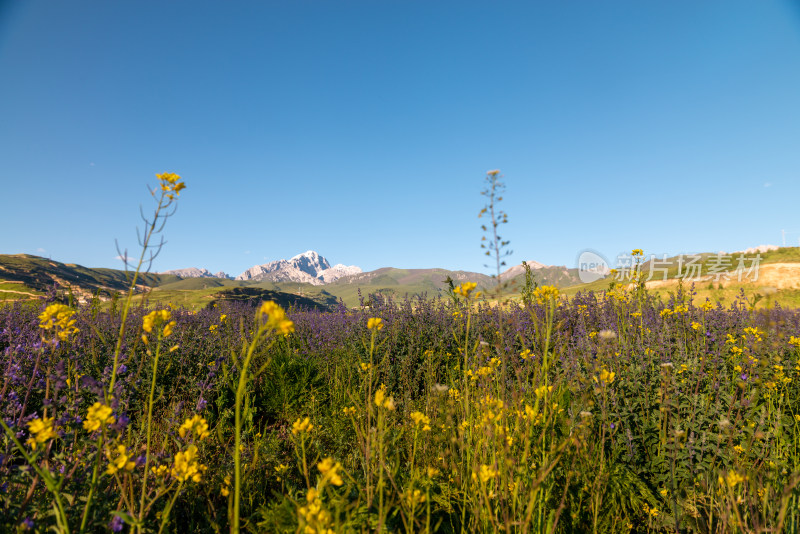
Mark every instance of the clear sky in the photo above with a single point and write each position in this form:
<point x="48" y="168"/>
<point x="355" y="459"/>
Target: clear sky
<point x="363" y="129"/>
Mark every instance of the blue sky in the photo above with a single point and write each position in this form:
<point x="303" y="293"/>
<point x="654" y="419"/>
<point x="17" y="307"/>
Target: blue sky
<point x="364" y="129"/>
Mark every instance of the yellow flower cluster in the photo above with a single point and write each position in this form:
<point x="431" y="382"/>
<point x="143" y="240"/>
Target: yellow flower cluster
<point x="121" y="462"/>
<point x="544" y="294"/>
<point x="485" y="473"/>
<point x="794" y="341"/>
<point x="732" y="479"/>
<point x="281" y="469"/>
<point x="99" y="414"/>
<point x="159" y="471"/>
<point x="186" y="466"/>
<point x="542" y="391"/>
<point x="302" y="426"/>
<point x="155" y="319"/>
<point x="60" y="319"/>
<point x="605" y="377"/>
<point x="41" y="431"/>
<point x="195" y="425"/>
<point x="381" y="400"/>
<point x="466" y="289"/>
<point x="225" y="490"/>
<point x="637" y="252"/>
<point x="330" y="472"/>
<point x="754" y="332"/>
<point x="375" y="323"/>
<point x="420" y="418"/>
<point x="171" y="184"/>
<point x="314" y="519"/>
<point x="276" y="318"/>
<point x="414" y="498"/>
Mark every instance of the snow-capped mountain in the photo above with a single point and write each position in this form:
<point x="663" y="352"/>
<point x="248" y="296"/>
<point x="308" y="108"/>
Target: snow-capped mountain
<point x="308" y="267"/>
<point x="194" y="272"/>
<point x="517" y="270"/>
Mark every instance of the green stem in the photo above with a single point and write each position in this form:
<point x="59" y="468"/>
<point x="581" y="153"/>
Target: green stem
<point x="237" y="453"/>
<point x="168" y="509"/>
<point x="92" y="486"/>
<point x="149" y="434"/>
<point x="118" y="348"/>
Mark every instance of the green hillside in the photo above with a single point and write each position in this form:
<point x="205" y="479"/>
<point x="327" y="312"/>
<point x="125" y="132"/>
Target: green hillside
<point x="28" y="277"/>
<point x="41" y="274"/>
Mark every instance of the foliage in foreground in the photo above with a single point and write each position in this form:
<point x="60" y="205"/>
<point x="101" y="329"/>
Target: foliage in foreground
<point x="606" y="414"/>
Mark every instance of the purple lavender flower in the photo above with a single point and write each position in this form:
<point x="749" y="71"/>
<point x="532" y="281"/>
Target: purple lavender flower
<point x="116" y="524"/>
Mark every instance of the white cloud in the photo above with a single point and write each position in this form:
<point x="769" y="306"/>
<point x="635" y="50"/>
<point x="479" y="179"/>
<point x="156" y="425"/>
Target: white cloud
<point x="40" y="250"/>
<point x="767" y="184"/>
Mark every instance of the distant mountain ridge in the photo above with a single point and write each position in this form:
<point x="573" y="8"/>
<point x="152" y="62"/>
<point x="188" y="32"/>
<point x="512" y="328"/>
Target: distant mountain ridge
<point x="194" y="272"/>
<point x="312" y="268"/>
<point x="309" y="275"/>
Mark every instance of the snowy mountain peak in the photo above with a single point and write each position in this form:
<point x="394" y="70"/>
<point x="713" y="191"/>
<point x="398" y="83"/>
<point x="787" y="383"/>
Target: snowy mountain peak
<point x="308" y="267"/>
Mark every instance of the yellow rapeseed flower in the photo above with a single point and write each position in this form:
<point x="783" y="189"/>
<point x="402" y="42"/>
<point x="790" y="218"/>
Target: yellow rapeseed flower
<point x="171" y="184"/>
<point x="99" y="414"/>
<point x="330" y="471"/>
<point x="122" y="461"/>
<point x="605" y="377"/>
<point x="312" y="517"/>
<point x="414" y="498"/>
<point x="375" y="323"/>
<point x="60" y="319"/>
<point x="420" y="419"/>
<point x="159" y="471"/>
<point x="485" y="473"/>
<point x="195" y="425"/>
<point x="41" y="431"/>
<point x="465" y="289"/>
<point x="732" y="479"/>
<point x="186" y="467"/>
<point x="302" y="426"/>
<point x="276" y="318"/>
<point x="544" y="294"/>
<point x="382" y="400"/>
<point x="155" y="319"/>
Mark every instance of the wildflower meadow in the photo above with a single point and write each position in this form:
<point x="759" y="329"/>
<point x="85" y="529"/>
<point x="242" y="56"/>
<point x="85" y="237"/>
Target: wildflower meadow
<point x="617" y="411"/>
